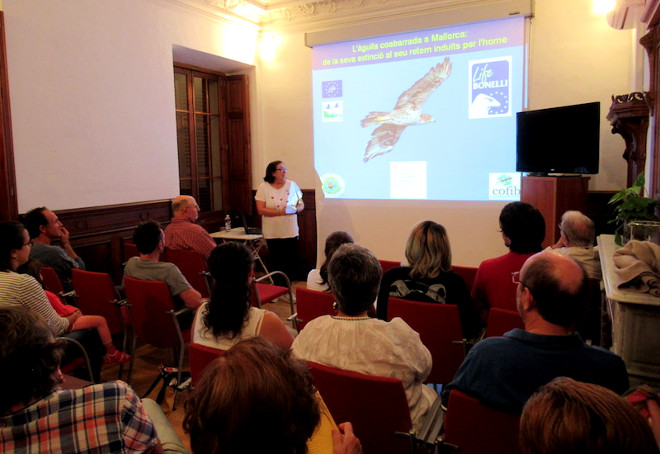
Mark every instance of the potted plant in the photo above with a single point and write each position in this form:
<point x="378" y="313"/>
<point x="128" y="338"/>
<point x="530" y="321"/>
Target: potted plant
<point x="631" y="205"/>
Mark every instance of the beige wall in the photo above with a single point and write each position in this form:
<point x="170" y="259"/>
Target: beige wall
<point x="92" y="108"/>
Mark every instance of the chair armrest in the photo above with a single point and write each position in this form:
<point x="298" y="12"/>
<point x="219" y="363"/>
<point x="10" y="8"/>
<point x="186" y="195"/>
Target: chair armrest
<point x="273" y="273"/>
<point x="293" y="317"/>
<point x="183" y="310"/>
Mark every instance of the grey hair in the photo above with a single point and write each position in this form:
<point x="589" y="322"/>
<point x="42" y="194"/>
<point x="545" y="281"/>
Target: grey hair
<point x="578" y="228"/>
<point x="354" y="274"/>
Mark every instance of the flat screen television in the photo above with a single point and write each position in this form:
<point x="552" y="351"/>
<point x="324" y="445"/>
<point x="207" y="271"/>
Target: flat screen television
<point x="559" y="140"/>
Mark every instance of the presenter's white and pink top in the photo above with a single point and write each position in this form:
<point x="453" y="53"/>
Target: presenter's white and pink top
<point x="285" y="226"/>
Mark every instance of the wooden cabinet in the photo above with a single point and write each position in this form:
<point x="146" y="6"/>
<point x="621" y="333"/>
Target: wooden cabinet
<point x="553" y="196"/>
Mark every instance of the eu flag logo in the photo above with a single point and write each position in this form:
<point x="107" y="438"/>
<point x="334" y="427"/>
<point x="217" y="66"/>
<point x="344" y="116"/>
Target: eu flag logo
<point x="331" y="89"/>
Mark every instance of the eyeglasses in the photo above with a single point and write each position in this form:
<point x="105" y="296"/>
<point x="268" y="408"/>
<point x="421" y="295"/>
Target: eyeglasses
<point x="29" y="243"/>
<point x="515" y="278"/>
<point x="283" y="169"/>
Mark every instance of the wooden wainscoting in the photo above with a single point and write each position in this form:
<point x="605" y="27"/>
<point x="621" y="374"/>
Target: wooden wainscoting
<point x="97" y="232"/>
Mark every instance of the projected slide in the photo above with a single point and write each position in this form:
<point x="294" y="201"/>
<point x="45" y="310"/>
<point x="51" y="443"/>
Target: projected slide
<point x="421" y="115"/>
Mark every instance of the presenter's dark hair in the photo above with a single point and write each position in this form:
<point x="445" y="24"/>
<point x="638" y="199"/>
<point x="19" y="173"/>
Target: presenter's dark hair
<point x="11" y="239"/>
<point x="34" y="219"/>
<point x="230" y="265"/>
<point x="524" y="225"/>
<point x="270" y="170"/>
<point x="147" y="236"/>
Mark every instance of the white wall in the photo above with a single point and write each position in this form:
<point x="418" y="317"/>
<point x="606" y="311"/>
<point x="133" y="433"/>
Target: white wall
<point x="575" y="57"/>
<point x="92" y="108"/>
<point x="92" y="98"/>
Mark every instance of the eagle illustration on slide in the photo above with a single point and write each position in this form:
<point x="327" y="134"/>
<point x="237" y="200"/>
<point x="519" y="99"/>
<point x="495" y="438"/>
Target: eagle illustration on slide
<point x="408" y="111"/>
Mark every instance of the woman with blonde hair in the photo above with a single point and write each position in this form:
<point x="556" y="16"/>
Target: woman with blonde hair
<point x="428" y="277"/>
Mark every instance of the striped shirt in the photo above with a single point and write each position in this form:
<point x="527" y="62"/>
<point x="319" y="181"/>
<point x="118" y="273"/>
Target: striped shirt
<point x="21" y="289"/>
<point x="106" y="418"/>
<point x="183" y="234"/>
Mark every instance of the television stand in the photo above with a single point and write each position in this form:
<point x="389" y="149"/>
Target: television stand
<point x="552" y="196"/>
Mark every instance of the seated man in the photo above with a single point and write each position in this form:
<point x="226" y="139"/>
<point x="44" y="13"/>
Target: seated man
<point x="183" y="233"/>
<point x="35" y="416"/>
<point x="44" y="228"/>
<point x="577" y="241"/>
<point x="503" y="372"/>
<point x="148" y="238"/>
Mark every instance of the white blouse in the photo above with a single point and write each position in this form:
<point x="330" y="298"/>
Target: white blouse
<point x="374" y="347"/>
<point x="285" y="226"/>
<point x="205" y="336"/>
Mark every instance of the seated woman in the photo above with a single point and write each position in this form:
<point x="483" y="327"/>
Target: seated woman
<point x="228" y="317"/>
<point x="571" y="417"/>
<point x="256" y="398"/>
<point x="97" y="322"/>
<point x="523" y="231"/>
<point x="353" y="341"/>
<point x="429" y="277"/>
<point x="35" y="416"/>
<point x="23" y="290"/>
<point x="317" y="279"/>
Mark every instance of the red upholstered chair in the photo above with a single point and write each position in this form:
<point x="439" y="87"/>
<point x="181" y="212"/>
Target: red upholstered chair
<point x="263" y="293"/>
<point x="476" y="429"/>
<point x="468" y="274"/>
<point x="200" y="357"/>
<point x="501" y="320"/>
<point x="193" y="267"/>
<point x="376" y="406"/>
<point x="130" y="250"/>
<point x="154" y="320"/>
<point x="388" y="265"/>
<point x="52" y="282"/>
<point x="311" y="304"/>
<point x="439" y="327"/>
<point x="96" y="295"/>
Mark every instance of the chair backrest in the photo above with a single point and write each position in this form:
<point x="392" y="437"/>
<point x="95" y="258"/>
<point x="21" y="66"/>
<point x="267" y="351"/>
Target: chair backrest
<point x="501" y="320"/>
<point x="468" y="273"/>
<point x="311" y="304"/>
<point x="130" y="250"/>
<point x="477" y="429"/>
<point x="439" y="327"/>
<point x="94" y="294"/>
<point x="376" y="406"/>
<point x="193" y="266"/>
<point x="51" y="280"/>
<point x="589" y="326"/>
<point x="200" y="357"/>
<point x="149" y="303"/>
<point x="388" y="265"/>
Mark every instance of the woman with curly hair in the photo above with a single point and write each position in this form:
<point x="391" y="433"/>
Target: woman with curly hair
<point x="228" y="316"/>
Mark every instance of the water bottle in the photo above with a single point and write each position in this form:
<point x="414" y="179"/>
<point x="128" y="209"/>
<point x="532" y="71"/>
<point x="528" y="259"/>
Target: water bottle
<point x="227" y="223"/>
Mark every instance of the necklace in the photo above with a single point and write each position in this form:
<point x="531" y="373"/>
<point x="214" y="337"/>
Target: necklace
<point x="350" y="319"/>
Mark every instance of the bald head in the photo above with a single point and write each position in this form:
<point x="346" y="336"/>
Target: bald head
<point x="185" y="206"/>
<point x="578" y="229"/>
<point x="558" y="285"/>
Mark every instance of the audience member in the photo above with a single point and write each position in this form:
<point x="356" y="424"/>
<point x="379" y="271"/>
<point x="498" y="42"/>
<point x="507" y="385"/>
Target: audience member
<point x="44" y="227"/>
<point x="570" y="417"/>
<point x="148" y="239"/>
<point x="183" y="233"/>
<point x="353" y="341"/>
<point x="35" y="416"/>
<point x="317" y="279"/>
<point x="428" y="277"/>
<point x="577" y="241"/>
<point x="256" y="398"/>
<point x="97" y="322"/>
<point x="228" y="317"/>
<point x="523" y="231"/>
<point x="503" y="372"/>
<point x="23" y="290"/>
